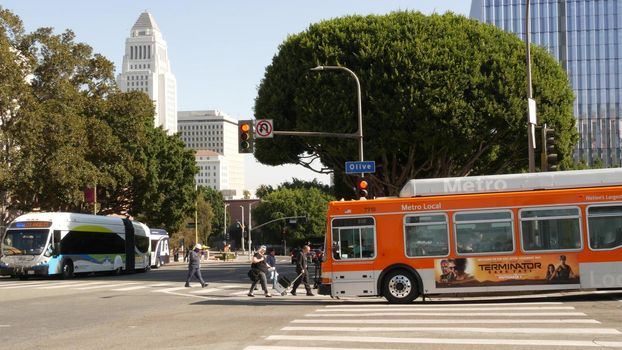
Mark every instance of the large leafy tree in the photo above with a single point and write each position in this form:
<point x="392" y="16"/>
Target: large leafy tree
<point x="217" y="204"/>
<point x="16" y="100"/>
<point x="284" y="202"/>
<point x="65" y="126"/>
<point x="442" y="96"/>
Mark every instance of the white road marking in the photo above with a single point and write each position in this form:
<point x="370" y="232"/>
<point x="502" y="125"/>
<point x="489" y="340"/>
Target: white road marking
<point x="400" y="306"/>
<point x="107" y="286"/>
<point x="63" y="285"/>
<point x="161" y="285"/>
<point x="32" y="284"/>
<point x="457" y="308"/>
<point x="444" y="321"/>
<point x="166" y="290"/>
<point x="468" y="314"/>
<point x="206" y="290"/>
<point x="470" y="341"/>
<point x="129" y="288"/>
<point x="266" y="347"/>
<point x="234" y="286"/>
<point x="364" y="330"/>
<point x="244" y="292"/>
<point x="5" y="325"/>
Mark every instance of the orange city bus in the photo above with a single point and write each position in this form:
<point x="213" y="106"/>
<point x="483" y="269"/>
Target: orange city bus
<point x="500" y="233"/>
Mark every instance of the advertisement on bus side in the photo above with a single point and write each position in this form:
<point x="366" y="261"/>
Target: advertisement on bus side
<point x="507" y="270"/>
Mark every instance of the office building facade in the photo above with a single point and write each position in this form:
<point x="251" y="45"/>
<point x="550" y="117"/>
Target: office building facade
<point x="585" y="36"/>
<point x="146" y="68"/>
<point x="216" y="132"/>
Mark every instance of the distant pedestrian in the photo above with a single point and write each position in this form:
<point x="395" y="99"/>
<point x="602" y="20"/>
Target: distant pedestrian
<point x="259" y="268"/>
<point x="194" y="266"/>
<point x="176" y="254"/>
<point x="271" y="261"/>
<point x="302" y="270"/>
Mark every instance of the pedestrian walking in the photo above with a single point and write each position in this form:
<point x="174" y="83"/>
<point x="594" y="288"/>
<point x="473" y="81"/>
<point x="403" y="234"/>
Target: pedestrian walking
<point x="194" y="266"/>
<point x="259" y="268"/>
<point x="302" y="271"/>
<point x="271" y="261"/>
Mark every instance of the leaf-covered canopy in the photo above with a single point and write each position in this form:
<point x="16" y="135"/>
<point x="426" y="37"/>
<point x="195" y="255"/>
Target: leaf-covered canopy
<point x="442" y="95"/>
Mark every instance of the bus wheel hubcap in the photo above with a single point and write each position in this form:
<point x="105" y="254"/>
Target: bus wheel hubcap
<point x="400" y="286"/>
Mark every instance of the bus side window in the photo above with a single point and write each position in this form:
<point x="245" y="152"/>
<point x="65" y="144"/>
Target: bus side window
<point x="605" y="226"/>
<point x="354" y="238"/>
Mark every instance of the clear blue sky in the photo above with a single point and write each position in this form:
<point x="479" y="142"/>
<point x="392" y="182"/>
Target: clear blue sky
<point x="218" y="49"/>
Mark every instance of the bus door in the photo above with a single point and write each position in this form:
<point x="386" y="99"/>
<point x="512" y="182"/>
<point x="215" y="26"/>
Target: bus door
<point x="354" y="252"/>
<point x="130" y="258"/>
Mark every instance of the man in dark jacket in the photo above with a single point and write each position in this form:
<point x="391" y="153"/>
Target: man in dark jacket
<point x="301" y="268"/>
<point x="194" y="266"/>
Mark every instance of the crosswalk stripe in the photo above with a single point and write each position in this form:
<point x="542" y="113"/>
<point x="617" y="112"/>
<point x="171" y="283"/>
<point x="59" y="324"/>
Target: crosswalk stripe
<point x="456" y="308"/>
<point x="234" y="286"/>
<point x="240" y="293"/>
<point x="35" y="284"/>
<point x="169" y="289"/>
<point x="162" y="285"/>
<point x="129" y="288"/>
<point x="63" y="285"/>
<point x="453" y="341"/>
<point x="106" y="286"/>
<point x="456" y="321"/>
<point x="459" y="329"/>
<point x="452" y="305"/>
<point x="499" y="314"/>
<point x="206" y="290"/>
<point x="276" y="347"/>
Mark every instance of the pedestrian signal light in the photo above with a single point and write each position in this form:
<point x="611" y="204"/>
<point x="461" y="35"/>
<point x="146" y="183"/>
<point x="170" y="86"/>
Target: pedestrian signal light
<point x="245" y="136"/>
<point x="362" y="188"/>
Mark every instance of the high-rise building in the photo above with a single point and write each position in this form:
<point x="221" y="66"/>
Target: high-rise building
<point x="585" y="36"/>
<point x="214" y="135"/>
<point x="146" y="68"/>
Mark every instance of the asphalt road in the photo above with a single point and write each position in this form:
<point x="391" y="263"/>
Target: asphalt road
<point x="154" y="310"/>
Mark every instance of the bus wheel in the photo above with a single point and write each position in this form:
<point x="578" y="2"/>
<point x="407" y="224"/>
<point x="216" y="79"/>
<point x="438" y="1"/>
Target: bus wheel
<point x="400" y="287"/>
<point x="67" y="269"/>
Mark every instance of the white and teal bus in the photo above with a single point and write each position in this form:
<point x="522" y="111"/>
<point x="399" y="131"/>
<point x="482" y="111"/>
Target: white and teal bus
<point x="160" y="254"/>
<point x="64" y="244"/>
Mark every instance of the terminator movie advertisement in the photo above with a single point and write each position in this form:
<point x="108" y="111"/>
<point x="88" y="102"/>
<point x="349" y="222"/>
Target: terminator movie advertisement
<point x="507" y="270"/>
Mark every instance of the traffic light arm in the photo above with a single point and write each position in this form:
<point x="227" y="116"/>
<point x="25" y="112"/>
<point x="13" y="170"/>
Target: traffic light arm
<point x="279" y="219"/>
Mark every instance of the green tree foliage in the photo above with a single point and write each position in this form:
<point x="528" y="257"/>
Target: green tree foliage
<point x="297" y="183"/>
<point x="217" y="203"/>
<point x="65" y="126"/>
<point x="442" y="96"/>
<point x="285" y="202"/>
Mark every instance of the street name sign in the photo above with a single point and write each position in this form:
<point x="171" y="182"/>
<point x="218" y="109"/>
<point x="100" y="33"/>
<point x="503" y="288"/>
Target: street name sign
<point x="368" y="166"/>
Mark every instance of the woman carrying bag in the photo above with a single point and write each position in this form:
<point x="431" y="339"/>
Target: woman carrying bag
<point x="258" y="271"/>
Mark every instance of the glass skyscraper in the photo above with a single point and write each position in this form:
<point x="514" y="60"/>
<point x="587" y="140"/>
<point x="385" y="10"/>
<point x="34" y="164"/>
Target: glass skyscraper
<point x="585" y="36"/>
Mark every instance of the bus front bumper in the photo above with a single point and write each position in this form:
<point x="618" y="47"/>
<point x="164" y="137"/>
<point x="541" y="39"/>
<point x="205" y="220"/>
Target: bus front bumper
<point x="6" y="270"/>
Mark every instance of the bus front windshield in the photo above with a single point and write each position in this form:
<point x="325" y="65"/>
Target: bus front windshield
<point x="24" y="242"/>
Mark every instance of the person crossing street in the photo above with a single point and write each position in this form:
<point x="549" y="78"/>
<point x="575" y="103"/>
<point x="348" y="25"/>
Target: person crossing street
<point x="194" y="266"/>
<point x="302" y="270"/>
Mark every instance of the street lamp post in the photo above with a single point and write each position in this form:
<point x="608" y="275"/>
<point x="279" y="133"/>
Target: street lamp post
<point x="250" y="223"/>
<point x="242" y="226"/>
<point x="196" y="216"/>
<point x="225" y="223"/>
<point x="360" y="108"/>
<point x="531" y="117"/>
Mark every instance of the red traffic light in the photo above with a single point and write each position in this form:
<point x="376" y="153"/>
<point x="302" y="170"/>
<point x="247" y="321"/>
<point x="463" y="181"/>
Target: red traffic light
<point x="361" y="188"/>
